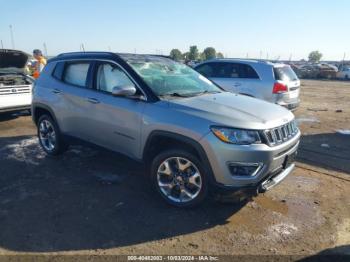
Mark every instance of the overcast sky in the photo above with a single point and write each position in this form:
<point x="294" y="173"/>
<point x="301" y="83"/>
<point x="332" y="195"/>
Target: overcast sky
<point x="257" y="28"/>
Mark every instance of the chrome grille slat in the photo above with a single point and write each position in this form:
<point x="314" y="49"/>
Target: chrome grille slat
<point x="15" y="90"/>
<point x="281" y="134"/>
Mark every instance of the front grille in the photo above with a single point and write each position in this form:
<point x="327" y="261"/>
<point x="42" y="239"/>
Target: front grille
<point x="281" y="134"/>
<point x="15" y="90"/>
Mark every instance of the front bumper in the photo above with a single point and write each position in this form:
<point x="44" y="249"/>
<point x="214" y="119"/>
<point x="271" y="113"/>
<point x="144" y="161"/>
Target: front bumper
<point x="274" y="169"/>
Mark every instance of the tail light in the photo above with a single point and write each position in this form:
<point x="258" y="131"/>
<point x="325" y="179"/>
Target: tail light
<point x="279" y="88"/>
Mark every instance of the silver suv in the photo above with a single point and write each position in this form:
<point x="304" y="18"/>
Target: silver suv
<point x="192" y="135"/>
<point x="273" y="82"/>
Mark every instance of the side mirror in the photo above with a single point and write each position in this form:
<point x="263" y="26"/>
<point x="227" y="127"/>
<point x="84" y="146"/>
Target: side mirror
<point x="124" y="90"/>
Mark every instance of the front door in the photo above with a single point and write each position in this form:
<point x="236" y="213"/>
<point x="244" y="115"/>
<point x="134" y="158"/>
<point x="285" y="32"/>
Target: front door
<point x="115" y="122"/>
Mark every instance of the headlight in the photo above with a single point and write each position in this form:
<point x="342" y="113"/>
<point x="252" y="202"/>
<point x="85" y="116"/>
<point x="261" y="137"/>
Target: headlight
<point x="236" y="136"/>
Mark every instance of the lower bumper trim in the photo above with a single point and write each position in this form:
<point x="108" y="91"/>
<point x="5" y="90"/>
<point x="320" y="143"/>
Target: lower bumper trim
<point x="273" y="181"/>
<point x="13" y="109"/>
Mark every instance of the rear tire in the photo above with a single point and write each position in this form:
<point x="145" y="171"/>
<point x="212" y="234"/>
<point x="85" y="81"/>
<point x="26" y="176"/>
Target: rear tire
<point x="179" y="177"/>
<point x="50" y="137"/>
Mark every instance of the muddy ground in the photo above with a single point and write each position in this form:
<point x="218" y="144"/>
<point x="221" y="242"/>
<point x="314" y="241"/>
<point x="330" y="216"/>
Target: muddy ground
<point x="67" y="205"/>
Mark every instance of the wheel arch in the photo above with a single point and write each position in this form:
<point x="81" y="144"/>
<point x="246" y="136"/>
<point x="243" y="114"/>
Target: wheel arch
<point x="39" y="109"/>
<point x="159" y="141"/>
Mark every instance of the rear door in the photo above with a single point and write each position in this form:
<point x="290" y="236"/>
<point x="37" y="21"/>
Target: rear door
<point x="70" y="89"/>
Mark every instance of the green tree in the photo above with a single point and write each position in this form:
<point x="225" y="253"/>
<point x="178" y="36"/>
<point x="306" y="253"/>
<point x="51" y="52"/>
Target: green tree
<point x="185" y="55"/>
<point x="209" y="53"/>
<point x="315" y="57"/>
<point x="194" y="53"/>
<point x="202" y="56"/>
<point x="176" y="54"/>
<point x="219" y="55"/>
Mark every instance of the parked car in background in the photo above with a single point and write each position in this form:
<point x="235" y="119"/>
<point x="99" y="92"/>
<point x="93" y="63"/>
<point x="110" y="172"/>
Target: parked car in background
<point x="331" y="66"/>
<point x="272" y="82"/>
<point x="192" y="135"/>
<point x="344" y="73"/>
<point x="15" y="84"/>
<point x="327" y="71"/>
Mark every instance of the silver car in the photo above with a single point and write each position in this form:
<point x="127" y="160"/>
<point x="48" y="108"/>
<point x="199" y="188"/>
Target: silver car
<point x="193" y="136"/>
<point x="272" y="82"/>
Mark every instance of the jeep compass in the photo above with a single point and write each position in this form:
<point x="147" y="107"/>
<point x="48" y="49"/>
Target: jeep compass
<point x="192" y="136"/>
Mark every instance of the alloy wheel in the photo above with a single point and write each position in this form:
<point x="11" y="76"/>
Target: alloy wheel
<point x="179" y="179"/>
<point x="47" y="135"/>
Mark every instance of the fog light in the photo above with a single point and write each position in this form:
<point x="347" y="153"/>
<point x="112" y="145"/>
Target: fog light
<point x="244" y="169"/>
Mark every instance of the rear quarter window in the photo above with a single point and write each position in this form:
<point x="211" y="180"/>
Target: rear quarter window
<point x="58" y="71"/>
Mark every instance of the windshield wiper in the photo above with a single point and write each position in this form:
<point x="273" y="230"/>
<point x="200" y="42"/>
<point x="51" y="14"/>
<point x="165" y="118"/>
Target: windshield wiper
<point x="204" y="92"/>
<point x="174" y="95"/>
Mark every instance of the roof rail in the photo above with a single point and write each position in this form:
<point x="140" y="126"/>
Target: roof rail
<point x="85" y="52"/>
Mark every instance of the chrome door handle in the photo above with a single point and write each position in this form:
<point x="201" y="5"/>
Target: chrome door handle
<point x="56" y="91"/>
<point x="93" y="100"/>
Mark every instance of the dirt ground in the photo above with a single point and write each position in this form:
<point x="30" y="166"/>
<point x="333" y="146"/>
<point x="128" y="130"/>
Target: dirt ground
<point x="66" y="205"/>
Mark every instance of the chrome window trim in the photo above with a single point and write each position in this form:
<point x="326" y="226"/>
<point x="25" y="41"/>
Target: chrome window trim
<point x="108" y="61"/>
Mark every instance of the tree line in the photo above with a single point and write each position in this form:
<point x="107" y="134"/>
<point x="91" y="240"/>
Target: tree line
<point x="193" y="54"/>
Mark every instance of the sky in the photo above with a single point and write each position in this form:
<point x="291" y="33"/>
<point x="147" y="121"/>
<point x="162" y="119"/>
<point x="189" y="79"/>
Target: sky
<point x="250" y="28"/>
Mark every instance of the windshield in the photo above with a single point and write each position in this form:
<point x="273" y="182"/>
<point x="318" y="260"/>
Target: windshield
<point x="285" y="73"/>
<point x="167" y="77"/>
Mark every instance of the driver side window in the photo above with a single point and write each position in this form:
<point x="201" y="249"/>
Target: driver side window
<point x="110" y="76"/>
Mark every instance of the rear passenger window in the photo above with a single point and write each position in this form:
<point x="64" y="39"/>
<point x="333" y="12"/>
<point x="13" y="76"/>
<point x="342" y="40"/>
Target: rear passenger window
<point x="76" y="73"/>
<point x="235" y="70"/>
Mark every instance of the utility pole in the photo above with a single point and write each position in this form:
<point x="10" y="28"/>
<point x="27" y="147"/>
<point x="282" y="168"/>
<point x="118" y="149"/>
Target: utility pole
<point x="260" y="54"/>
<point x="12" y="39"/>
<point x="267" y="56"/>
<point x="290" y="57"/>
<point x="45" y="49"/>
<point x="82" y="47"/>
<point x="2" y="44"/>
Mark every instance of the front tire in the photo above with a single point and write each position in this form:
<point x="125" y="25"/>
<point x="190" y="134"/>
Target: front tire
<point x="179" y="177"/>
<point x="49" y="135"/>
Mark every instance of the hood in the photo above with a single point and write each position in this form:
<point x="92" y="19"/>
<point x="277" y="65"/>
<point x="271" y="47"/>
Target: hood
<point x="13" y="60"/>
<point x="228" y="109"/>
